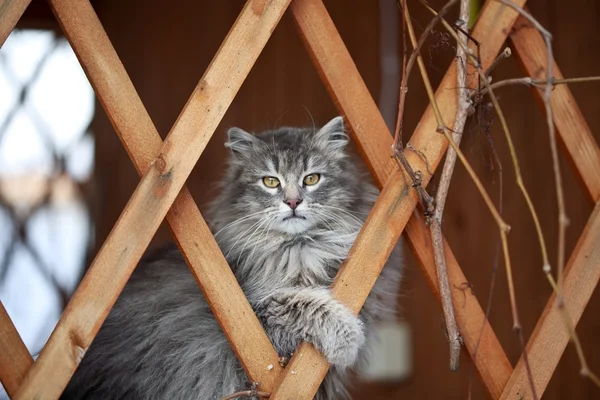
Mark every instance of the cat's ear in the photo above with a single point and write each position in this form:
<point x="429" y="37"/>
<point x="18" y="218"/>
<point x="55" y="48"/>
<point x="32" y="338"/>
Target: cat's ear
<point x="240" y="142"/>
<point x="333" y="135"/>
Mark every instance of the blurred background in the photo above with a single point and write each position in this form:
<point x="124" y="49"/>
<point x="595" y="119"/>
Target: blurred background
<point x="65" y="178"/>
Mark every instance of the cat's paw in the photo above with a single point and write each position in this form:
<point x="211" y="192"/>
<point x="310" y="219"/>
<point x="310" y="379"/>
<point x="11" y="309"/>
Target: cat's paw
<point x="340" y="337"/>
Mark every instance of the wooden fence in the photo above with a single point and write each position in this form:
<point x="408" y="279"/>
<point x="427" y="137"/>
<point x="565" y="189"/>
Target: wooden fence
<point x="161" y="193"/>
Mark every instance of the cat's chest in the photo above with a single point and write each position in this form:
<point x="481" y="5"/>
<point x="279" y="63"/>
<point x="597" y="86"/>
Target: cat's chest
<point x="308" y="264"/>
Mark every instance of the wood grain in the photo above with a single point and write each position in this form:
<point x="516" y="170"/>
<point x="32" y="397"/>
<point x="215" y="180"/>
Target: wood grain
<point x="15" y="359"/>
<point x="573" y="130"/>
<point x="142" y="142"/>
<point x="10" y="13"/>
<point x="152" y="199"/>
<point x="397" y="200"/>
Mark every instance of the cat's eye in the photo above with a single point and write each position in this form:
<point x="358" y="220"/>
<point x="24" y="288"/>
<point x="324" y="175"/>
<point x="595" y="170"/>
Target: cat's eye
<point x="311" y="179"/>
<point x="271" y="182"/>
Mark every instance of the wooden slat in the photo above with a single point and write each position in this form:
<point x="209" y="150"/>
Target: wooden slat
<point x="15" y="359"/>
<point x="574" y="131"/>
<point x="142" y="142"/>
<point x="151" y="200"/>
<point x="10" y="13"/>
<point x="550" y="337"/>
<point x="397" y="201"/>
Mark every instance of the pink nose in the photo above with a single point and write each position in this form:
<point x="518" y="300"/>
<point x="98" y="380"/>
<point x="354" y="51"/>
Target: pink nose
<point x="293" y="203"/>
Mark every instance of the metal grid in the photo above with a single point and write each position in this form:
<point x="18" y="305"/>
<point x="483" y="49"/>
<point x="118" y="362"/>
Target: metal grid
<point x="161" y="192"/>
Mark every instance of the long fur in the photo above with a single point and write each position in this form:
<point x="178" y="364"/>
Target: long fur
<point x="161" y="341"/>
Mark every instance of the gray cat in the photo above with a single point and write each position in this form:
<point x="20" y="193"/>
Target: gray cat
<point x="290" y="207"/>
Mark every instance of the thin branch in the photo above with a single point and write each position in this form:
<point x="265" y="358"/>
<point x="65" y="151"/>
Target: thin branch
<point x="503" y="56"/>
<point x="562" y="216"/>
<point x="585" y="371"/>
<point x="496" y="260"/>
<point x="407" y="68"/>
<point x="252" y="393"/>
<point x="454" y="338"/>
<point x="530" y="82"/>
<point x="442" y="193"/>
<point x="513" y="300"/>
<point x="397" y="149"/>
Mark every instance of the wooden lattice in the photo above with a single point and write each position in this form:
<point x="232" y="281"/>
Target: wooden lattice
<point x="164" y="167"/>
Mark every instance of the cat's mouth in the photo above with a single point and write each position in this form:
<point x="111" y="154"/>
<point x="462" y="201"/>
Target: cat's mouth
<point x="292" y="216"/>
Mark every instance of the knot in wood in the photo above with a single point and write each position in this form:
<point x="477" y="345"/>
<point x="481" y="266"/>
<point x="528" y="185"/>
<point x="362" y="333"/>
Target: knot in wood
<point x="160" y="164"/>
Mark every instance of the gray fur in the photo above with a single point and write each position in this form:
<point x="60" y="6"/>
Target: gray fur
<point x="160" y="341"/>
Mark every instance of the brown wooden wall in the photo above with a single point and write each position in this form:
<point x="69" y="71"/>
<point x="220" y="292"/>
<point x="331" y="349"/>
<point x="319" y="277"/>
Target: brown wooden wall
<point x="167" y="46"/>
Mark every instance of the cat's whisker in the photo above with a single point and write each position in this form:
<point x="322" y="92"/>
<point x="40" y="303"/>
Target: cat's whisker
<point x="352" y="224"/>
<point x="264" y="222"/>
<point x="242" y="235"/>
<point x="242" y="219"/>
<point x="346" y="212"/>
<point x="266" y="236"/>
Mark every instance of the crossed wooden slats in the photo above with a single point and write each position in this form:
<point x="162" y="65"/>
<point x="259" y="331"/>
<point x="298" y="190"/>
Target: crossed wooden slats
<point x="161" y="183"/>
<point x="164" y="176"/>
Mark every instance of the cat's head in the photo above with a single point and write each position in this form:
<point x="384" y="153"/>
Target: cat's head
<point x="290" y="180"/>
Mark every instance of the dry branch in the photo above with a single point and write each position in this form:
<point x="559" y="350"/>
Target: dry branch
<point x="343" y="81"/>
<point x="151" y="200"/>
<point x="442" y="192"/>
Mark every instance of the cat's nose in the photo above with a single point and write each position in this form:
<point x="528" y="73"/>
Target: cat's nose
<point x="293" y="203"/>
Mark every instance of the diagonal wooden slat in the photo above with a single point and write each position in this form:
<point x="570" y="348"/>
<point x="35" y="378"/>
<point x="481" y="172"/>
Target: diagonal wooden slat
<point x="397" y="201"/>
<point x="142" y="142"/>
<point x="151" y="200"/>
<point x="574" y="131"/>
<point x="10" y="13"/>
<point x="15" y="359"/>
<point x="550" y="337"/>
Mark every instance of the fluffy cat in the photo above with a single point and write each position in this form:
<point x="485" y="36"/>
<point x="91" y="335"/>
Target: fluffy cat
<point x="290" y="206"/>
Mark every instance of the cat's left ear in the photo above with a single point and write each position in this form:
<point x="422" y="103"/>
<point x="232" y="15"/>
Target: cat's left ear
<point x="240" y="142"/>
<point x="333" y="135"/>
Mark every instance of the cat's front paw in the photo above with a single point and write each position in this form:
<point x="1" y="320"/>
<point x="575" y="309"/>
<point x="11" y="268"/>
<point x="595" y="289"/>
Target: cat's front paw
<point x="340" y="337"/>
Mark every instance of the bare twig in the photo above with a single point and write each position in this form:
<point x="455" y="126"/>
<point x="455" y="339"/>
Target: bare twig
<point x="562" y="216"/>
<point x="530" y="82"/>
<point x="407" y="67"/>
<point x="496" y="260"/>
<point x="252" y="392"/>
<point x="585" y="371"/>
<point x="503" y="56"/>
<point x="511" y="290"/>
<point x="397" y="147"/>
<point x="442" y="194"/>
<point x="454" y="338"/>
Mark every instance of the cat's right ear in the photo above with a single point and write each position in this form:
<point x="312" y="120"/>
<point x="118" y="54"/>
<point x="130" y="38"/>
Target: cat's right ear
<point x="240" y="142"/>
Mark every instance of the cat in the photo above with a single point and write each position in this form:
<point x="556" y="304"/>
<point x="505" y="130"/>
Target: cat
<point x="291" y="203"/>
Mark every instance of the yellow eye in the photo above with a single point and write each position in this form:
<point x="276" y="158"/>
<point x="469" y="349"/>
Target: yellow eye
<point x="271" y="182"/>
<point x="311" y="179"/>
